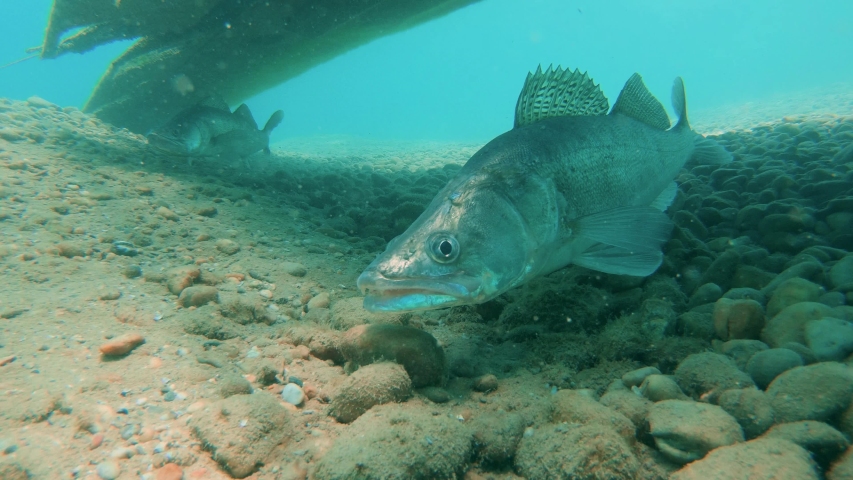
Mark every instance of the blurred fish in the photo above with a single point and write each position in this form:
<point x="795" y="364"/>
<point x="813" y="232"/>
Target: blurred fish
<point x="569" y="184"/>
<point x="210" y="129"/>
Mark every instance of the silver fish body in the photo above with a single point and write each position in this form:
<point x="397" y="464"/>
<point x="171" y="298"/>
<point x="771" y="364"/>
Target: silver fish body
<point x="566" y="186"/>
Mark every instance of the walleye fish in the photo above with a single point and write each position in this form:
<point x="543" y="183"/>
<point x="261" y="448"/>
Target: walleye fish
<point x="569" y="184"/>
<point x="210" y="129"/>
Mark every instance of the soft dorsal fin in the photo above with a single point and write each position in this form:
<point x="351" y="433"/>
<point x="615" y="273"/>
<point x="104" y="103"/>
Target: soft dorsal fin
<point x="637" y="102"/>
<point x="244" y="113"/>
<point x="215" y="102"/>
<point x="557" y="93"/>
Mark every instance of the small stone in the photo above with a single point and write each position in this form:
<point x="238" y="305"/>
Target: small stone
<point x="829" y="338"/>
<point x="121" y="345"/>
<point x="293" y="394"/>
<point x="766" y="365"/>
<point x="368" y="386"/>
<point x="706" y="293"/>
<point x="198" y="296"/>
<point x="435" y="394"/>
<point x="132" y="271"/>
<point x="181" y="278"/>
<point x="226" y="246"/>
<point x="70" y="250"/>
<point x="168" y="214"/>
<point x="207" y="211"/>
<point x="110" y="295"/>
<point x="109" y="470"/>
<point x="294" y="269"/>
<point x="486" y="383"/>
<point x="321" y="300"/>
<point x="636" y="377"/>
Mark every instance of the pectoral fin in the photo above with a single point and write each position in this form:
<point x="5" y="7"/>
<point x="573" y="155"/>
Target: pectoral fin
<point x="629" y="228"/>
<point x="619" y="261"/>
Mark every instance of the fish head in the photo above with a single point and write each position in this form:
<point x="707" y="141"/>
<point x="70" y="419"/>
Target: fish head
<point x="469" y="246"/>
<point x="178" y="138"/>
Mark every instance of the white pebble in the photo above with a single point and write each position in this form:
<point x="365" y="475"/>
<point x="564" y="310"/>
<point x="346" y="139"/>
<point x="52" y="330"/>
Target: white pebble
<point x="292" y="394"/>
<point x="109" y="470"/>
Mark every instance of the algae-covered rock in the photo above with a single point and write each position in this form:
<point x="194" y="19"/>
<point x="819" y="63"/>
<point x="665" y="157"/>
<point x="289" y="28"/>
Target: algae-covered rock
<point x="789" y="324"/>
<point x="750" y="407"/>
<point x="576" y="407"/>
<point x="398" y="441"/>
<point x="789" y="292"/>
<point x="416" y="350"/>
<point x="710" y="374"/>
<point x="760" y="459"/>
<point x="766" y="365"/>
<point x="829" y="338"/>
<point x="824" y="442"/>
<point x="569" y="451"/>
<point x="685" y="431"/>
<point x="241" y="431"/>
<point x="813" y="392"/>
<point x="738" y="319"/>
<point x="370" y="385"/>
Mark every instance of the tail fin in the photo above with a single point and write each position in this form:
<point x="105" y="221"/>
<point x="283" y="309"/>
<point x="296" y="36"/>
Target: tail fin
<point x="274" y="121"/>
<point x="679" y="103"/>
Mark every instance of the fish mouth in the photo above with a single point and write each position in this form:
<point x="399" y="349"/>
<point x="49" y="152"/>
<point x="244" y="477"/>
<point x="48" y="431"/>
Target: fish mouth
<point x="383" y="294"/>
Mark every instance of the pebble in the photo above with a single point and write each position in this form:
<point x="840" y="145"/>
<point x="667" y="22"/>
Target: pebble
<point x="293" y="394"/>
<point x="109" y="470"/>
<point x="766" y="365"/>
<point x="169" y="471"/>
<point x="321" y="300"/>
<point x="228" y="247"/>
<point x="829" y="338"/>
<point x="636" y="377"/>
<point x="486" y="383"/>
<point x="121" y="345"/>
<point x="294" y="269"/>
<point x="198" y="296"/>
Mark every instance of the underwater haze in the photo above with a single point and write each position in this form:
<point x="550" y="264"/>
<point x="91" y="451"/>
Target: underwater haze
<point x="457" y="77"/>
<point x="424" y="257"/>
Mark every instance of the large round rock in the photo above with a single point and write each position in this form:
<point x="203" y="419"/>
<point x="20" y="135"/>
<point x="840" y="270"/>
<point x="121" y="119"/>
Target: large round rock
<point x="704" y="373"/>
<point x="398" y="441"/>
<point x="416" y="350"/>
<point x="370" y="385"/>
<point x="813" y="392"/>
<point x="766" y="365"/>
<point x="685" y="431"/>
<point x="761" y="459"/>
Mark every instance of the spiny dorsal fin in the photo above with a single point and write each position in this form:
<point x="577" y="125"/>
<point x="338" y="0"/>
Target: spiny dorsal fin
<point x="244" y="113"/>
<point x="637" y="102"/>
<point x="557" y="93"/>
<point x="215" y="102"/>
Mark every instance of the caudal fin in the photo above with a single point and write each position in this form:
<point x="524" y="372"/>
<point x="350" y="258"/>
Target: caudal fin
<point x="274" y="121"/>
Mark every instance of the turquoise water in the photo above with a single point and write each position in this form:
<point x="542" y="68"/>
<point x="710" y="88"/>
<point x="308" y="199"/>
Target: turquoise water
<point x="457" y="77"/>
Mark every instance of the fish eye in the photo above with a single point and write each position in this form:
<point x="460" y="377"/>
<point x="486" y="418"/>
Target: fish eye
<point x="443" y="247"/>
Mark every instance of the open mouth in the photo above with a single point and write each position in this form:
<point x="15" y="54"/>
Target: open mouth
<point x="398" y="295"/>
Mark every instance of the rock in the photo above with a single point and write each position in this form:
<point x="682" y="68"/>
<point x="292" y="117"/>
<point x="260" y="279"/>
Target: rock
<point x="842" y="469"/>
<point x="233" y="384"/>
<point x="832" y="299"/>
<point x="13" y="471"/>
<point x="110" y="295"/>
<point x="395" y="441"/>
<point x="575" y="451"/>
<point x="766" y="365"/>
<point x="824" y="442"/>
<point x="696" y="325"/>
<point x="801" y="270"/>
<point x="829" y="338"/>
<point x="121" y="345"/>
<point x="108" y="470"/>
<point x="706" y="293"/>
<point x="661" y="387"/>
<point x="435" y="394"/>
<point x="738" y="319"/>
<point x="293" y="269"/>
<point x="628" y="403"/>
<point x="573" y="406"/>
<point x="709" y="374"/>
<point x="227" y="246"/>
<point x="760" y="459"/>
<point x="842" y="272"/>
<point x="486" y="383"/>
<point x="750" y="407"/>
<point x="293" y="394"/>
<point x="722" y="270"/>
<point x="169" y="471"/>
<point x="198" y="296"/>
<point x="742" y="350"/>
<point x="321" y="300"/>
<point x="789" y="292"/>
<point x="789" y="324"/>
<point x="168" y="214"/>
<point x="241" y="431"/>
<point x="812" y="392"/>
<point x="71" y="250"/>
<point x="496" y="437"/>
<point x="685" y="431"/>
<point x="416" y="350"/>
<point x="181" y="278"/>
<point x="370" y="385"/>
<point x="636" y="377"/>
<point x="745" y="293"/>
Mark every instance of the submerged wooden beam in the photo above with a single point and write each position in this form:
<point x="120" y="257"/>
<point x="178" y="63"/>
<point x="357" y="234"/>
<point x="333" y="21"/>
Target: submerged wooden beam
<point x="234" y="49"/>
